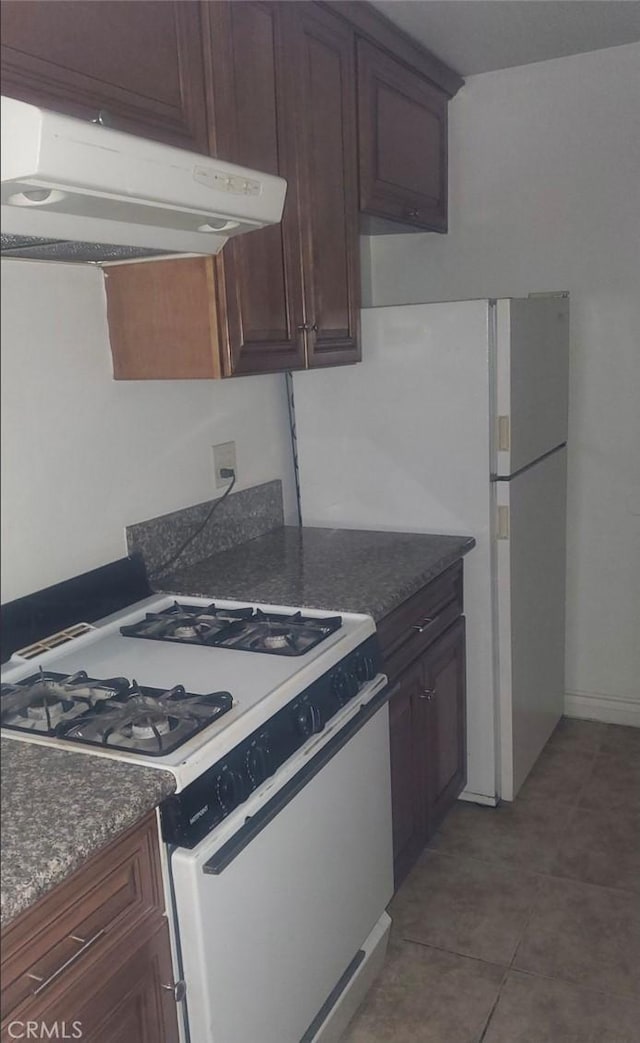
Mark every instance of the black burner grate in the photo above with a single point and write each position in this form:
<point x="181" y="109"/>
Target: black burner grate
<point x="244" y="629"/>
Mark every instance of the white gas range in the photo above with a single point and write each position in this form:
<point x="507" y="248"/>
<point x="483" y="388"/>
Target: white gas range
<point x="275" y="726"/>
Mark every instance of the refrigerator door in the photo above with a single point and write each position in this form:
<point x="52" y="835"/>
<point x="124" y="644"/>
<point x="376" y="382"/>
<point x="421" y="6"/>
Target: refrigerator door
<point x="530" y="605"/>
<point x="401" y="442"/>
<point x="531" y="380"/>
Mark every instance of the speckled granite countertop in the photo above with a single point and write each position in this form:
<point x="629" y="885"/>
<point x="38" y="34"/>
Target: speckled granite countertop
<point x="335" y="569"/>
<point x="58" y="809"/>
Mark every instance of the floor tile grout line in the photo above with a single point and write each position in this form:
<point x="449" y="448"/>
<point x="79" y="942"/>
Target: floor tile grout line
<point x="588" y="883"/>
<point x="493" y="1006"/>
<point x="530" y="912"/>
<point x="574" y="984"/>
<point x="454" y="952"/>
<point x="546" y="873"/>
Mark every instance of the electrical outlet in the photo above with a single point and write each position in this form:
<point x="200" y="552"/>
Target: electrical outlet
<point x="224" y="457"/>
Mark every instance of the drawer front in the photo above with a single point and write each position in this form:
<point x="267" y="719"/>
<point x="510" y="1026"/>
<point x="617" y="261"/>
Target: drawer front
<point x="46" y="947"/>
<point x="126" y="997"/>
<point x="405" y="633"/>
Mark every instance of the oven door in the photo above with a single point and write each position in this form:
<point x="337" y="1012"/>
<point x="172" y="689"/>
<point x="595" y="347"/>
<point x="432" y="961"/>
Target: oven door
<point x="272" y="912"/>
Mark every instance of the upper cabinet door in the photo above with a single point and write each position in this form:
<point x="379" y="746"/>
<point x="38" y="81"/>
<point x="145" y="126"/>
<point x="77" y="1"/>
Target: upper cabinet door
<point x="323" y="46"/>
<point x="259" y="277"/>
<point x="141" y="63"/>
<point x="402" y="127"/>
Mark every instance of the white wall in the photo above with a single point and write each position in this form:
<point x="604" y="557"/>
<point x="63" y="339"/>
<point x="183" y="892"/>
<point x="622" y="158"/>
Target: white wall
<point x="83" y="455"/>
<point x="545" y="194"/>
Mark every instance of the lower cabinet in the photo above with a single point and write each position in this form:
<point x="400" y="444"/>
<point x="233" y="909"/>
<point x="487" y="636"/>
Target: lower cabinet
<point x="428" y="737"/>
<point x="446" y="754"/>
<point x="409" y="744"/>
<point x="92" y="958"/>
<point x="126" y="999"/>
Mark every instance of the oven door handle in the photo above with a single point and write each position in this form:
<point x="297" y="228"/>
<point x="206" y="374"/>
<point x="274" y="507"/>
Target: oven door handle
<point x="254" y="825"/>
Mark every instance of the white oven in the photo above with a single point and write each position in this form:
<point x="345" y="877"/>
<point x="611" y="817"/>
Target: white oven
<point x="279" y="911"/>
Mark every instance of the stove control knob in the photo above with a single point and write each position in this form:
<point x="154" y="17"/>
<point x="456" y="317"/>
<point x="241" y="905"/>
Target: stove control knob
<point x="307" y="719"/>
<point x="258" y="764"/>
<point x="344" y="686"/>
<point x="364" y="669"/>
<point x="230" y="789"/>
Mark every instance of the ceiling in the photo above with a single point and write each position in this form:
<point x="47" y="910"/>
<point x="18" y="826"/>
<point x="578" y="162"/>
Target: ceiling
<point x="474" y="36"/>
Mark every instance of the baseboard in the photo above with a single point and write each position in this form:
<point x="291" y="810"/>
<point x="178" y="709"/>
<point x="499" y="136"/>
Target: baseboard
<point x="611" y="709"/>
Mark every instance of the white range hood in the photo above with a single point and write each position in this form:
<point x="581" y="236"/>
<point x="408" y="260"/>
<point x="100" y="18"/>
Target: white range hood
<point x="67" y="179"/>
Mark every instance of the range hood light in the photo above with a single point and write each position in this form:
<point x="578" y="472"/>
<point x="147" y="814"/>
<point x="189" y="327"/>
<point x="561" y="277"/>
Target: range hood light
<point x="217" y="226"/>
<point x="36" y="197"/>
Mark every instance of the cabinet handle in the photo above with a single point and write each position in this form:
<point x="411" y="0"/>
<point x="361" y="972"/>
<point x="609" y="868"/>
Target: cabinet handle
<point x="423" y="625"/>
<point x="428" y="694"/>
<point x="308" y="327"/>
<point x="179" y="990"/>
<point x="412" y="212"/>
<point x="43" y="984"/>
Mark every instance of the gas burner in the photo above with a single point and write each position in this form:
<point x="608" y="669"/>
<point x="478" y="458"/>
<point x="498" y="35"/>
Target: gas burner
<point x="191" y="624"/>
<point x="43" y="701"/>
<point x="273" y="642"/>
<point x="149" y="720"/>
<point x="150" y="727"/>
<point x="244" y="629"/>
<point x="182" y="632"/>
<point x="111" y="712"/>
<point x="48" y="710"/>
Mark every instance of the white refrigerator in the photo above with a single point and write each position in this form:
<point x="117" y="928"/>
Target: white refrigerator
<point x="456" y="422"/>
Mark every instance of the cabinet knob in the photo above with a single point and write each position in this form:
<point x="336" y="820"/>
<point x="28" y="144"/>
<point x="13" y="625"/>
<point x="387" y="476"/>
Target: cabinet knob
<point x="179" y="990"/>
<point x="104" y="118"/>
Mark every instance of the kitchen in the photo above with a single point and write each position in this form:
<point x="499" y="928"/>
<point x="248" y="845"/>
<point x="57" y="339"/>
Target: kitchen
<point x="514" y="229"/>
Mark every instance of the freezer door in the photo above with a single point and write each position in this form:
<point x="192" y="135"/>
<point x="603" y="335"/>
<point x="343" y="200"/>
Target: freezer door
<point x="530" y="602"/>
<point x="532" y="373"/>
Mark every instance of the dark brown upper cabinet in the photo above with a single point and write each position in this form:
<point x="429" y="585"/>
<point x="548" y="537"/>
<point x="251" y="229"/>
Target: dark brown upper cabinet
<point x="281" y="95"/>
<point x="322" y="47"/>
<point x="140" y="64"/>
<point x="258" y="276"/>
<point x="282" y="92"/>
<point x="402" y="133"/>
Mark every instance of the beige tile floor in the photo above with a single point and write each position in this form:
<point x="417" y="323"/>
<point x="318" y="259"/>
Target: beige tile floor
<point x="521" y="924"/>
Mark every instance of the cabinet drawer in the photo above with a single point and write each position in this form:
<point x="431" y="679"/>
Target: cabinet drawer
<point x="405" y="633"/>
<point x="126" y="997"/>
<point x="55" y="940"/>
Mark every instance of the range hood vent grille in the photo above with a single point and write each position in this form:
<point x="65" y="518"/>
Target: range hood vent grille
<point x="38" y="249"/>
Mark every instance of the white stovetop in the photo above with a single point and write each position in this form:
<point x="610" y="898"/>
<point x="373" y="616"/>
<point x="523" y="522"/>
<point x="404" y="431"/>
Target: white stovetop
<point x="259" y="683"/>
